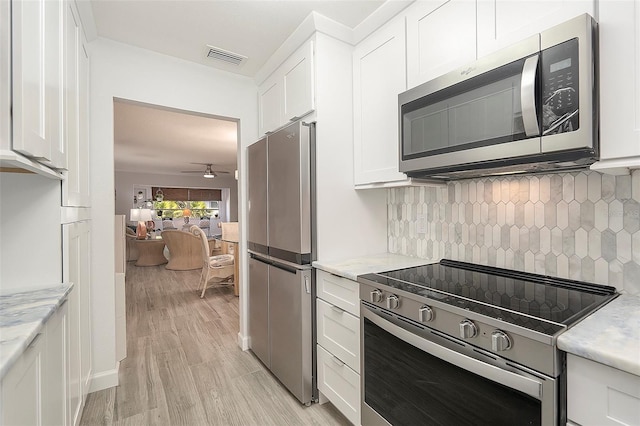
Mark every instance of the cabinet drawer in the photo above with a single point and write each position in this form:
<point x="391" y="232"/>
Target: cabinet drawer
<point x="340" y="384"/>
<point x="339" y="333"/>
<point x="339" y="291"/>
<point x="601" y="395"/>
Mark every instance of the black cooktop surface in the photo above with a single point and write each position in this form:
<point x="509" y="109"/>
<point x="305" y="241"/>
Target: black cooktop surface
<point x="536" y="302"/>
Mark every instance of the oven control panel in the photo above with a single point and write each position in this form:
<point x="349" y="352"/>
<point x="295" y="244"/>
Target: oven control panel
<point x="490" y="334"/>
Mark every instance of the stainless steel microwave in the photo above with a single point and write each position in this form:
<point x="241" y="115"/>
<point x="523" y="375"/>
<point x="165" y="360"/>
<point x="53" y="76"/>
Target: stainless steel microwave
<point x="529" y="107"/>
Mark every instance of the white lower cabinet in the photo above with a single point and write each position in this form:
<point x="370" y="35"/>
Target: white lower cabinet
<point x="338" y="335"/>
<point x="34" y="389"/>
<point x="339" y="384"/>
<point x="21" y="396"/>
<point x="338" y="332"/>
<point x="601" y="395"/>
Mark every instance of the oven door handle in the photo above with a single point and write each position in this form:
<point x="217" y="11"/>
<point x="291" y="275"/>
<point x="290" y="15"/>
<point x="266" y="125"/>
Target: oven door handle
<point x="523" y="384"/>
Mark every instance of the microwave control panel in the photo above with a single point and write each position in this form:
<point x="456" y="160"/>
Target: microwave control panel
<point x="559" y="77"/>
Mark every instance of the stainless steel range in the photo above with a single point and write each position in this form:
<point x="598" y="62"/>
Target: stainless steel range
<point x="457" y="343"/>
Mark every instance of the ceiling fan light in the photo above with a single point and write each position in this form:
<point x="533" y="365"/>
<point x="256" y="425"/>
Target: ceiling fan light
<point x="209" y="175"/>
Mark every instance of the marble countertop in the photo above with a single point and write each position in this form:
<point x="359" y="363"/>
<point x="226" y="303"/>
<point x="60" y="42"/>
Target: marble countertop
<point x="23" y="313"/>
<point x="609" y="336"/>
<point x="351" y="268"/>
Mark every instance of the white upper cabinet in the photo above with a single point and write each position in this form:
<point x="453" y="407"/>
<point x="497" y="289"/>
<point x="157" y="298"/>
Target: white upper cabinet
<point x="376" y="86"/>
<point x="441" y="36"/>
<point x="288" y="94"/>
<point x="37" y="81"/>
<point x="504" y="22"/>
<point x="75" y="188"/>
<point x="619" y="34"/>
<point x="298" y="84"/>
<point x="270" y="104"/>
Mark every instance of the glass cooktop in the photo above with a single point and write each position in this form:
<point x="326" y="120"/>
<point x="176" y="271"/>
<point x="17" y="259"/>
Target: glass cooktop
<point x="537" y="302"/>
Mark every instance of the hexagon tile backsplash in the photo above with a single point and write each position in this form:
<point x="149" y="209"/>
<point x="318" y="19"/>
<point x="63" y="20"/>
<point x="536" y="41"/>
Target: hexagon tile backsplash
<point x="580" y="225"/>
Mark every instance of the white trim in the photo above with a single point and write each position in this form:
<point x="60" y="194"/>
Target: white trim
<point x="104" y="379"/>
<point x="244" y="342"/>
<point x="378" y="18"/>
<point x="616" y="166"/>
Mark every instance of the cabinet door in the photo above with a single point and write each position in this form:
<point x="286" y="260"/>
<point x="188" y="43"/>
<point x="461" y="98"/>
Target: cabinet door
<point x="269" y="104"/>
<point x="376" y="86"/>
<point x="619" y="74"/>
<point x="599" y="395"/>
<point x="5" y="75"/>
<point x="340" y="384"/>
<point x="37" y="80"/>
<point x="441" y="36"/>
<point x="77" y="270"/>
<point x="85" y="306"/>
<point x="21" y="388"/>
<point x="339" y="333"/>
<point x="504" y="22"/>
<point x="54" y="391"/>
<point x="298" y="84"/>
<point x="71" y="185"/>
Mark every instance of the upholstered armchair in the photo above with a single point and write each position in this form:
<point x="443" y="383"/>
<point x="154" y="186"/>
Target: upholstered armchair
<point x="184" y="250"/>
<point x="219" y="267"/>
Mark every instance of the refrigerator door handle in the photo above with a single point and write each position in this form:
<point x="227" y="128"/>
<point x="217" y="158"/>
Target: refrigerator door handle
<point x="284" y="267"/>
<point x="307" y="285"/>
<point x="260" y="259"/>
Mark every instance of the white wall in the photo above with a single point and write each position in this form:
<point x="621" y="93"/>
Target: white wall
<point x="30" y="233"/>
<point x="124" y="182"/>
<point x="126" y="72"/>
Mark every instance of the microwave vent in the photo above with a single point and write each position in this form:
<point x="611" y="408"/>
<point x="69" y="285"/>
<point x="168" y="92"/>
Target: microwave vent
<point x="218" y="54"/>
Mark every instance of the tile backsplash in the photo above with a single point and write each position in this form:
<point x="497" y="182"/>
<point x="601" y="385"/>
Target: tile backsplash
<point x="579" y="225"/>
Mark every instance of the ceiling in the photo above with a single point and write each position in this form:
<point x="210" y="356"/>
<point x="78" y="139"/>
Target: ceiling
<point x="159" y="140"/>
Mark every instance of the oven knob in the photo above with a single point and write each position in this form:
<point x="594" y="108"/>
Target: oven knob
<point x="500" y="341"/>
<point x="376" y="296"/>
<point x="468" y="329"/>
<point x="426" y="314"/>
<point x="393" y="302"/>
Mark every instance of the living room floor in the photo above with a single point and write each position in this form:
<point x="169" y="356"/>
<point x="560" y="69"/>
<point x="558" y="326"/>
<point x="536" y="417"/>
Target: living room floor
<point x="183" y="365"/>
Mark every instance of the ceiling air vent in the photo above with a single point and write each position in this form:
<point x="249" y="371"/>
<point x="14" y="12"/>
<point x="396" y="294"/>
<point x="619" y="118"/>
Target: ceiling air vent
<point x="224" y="55"/>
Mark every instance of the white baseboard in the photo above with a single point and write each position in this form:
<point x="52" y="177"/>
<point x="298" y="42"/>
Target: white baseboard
<point x="244" y="342"/>
<point x="104" y="379"/>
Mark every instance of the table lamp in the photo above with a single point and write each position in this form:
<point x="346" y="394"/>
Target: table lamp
<point x="140" y="216"/>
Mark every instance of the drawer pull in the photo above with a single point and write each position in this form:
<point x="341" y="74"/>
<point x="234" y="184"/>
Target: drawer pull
<point x="337" y="361"/>
<point x="336" y="309"/>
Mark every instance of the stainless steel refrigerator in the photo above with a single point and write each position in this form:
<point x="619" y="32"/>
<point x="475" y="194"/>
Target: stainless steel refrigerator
<point x="280" y="243"/>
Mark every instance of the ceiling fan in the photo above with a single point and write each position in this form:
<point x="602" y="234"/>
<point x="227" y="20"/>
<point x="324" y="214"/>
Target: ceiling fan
<point x="209" y="173"/>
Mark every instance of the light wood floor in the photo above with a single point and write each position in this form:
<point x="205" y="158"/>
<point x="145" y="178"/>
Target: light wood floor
<point x="183" y="365"/>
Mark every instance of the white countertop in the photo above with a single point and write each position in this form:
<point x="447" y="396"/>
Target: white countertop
<point x="351" y="268"/>
<point x="23" y="313"/>
<point x="609" y="336"/>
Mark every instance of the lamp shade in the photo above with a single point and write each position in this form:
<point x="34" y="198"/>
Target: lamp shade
<point x="186" y="212"/>
<point x="145" y="215"/>
<point x="134" y="215"/>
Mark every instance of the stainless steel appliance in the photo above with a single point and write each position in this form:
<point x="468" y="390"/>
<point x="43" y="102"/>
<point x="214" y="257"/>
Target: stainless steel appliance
<point x="454" y="343"/>
<point x="280" y="242"/>
<point x="529" y="107"/>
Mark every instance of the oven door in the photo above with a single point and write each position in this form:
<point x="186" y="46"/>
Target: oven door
<point x="415" y="375"/>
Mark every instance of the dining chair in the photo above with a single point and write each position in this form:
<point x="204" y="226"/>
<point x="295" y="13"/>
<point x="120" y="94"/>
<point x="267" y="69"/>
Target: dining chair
<point x="220" y="267"/>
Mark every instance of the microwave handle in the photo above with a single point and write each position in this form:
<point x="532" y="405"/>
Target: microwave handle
<point x="528" y="96"/>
